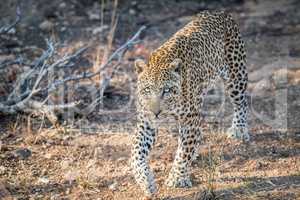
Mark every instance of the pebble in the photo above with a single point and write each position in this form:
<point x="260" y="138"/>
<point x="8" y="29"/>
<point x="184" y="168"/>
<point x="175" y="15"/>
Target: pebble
<point x="99" y="29"/>
<point x="48" y="155"/>
<point x="62" y="5"/>
<point x="71" y="175"/>
<point x="2" y="169"/>
<point x="132" y="12"/>
<point x="94" y="16"/>
<point x="133" y="3"/>
<point x="280" y="78"/>
<point x="43" y="180"/>
<point x="147" y="198"/>
<point x="44" y="172"/>
<point x="113" y="186"/>
<point x="23" y="153"/>
<point x="12" y="31"/>
<point x="55" y="197"/>
<point x="258" y="165"/>
<point x="46" y="26"/>
<point x="65" y="164"/>
<point x="261" y="87"/>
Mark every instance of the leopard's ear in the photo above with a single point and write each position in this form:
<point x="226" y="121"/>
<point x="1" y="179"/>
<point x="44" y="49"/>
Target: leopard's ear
<point x="176" y="65"/>
<point x="139" y="65"/>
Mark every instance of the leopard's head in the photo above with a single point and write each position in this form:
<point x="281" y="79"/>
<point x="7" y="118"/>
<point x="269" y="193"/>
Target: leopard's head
<point x="158" y="86"/>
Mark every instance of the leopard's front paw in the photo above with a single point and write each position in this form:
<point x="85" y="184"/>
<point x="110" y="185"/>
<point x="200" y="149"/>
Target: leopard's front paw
<point x="148" y="185"/>
<point x="240" y="133"/>
<point x="178" y="182"/>
<point x="150" y="190"/>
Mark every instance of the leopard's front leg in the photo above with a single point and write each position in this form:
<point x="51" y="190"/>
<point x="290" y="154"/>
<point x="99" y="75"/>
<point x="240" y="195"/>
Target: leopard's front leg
<point x="143" y="142"/>
<point x="189" y="134"/>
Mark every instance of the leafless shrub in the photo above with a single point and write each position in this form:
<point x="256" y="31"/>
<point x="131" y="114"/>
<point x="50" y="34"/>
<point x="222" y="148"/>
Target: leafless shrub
<point x="210" y="162"/>
<point x="7" y="28"/>
<point x="34" y="85"/>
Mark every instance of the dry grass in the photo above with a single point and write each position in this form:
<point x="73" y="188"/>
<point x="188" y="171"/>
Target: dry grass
<point x="74" y="165"/>
<point x="68" y="163"/>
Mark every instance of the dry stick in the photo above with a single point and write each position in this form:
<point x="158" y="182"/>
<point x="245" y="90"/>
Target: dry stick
<point x="102" y="13"/>
<point x="15" y="96"/>
<point x="106" y="76"/>
<point x="6" y="29"/>
<point x="111" y="34"/>
<point x="40" y="69"/>
<point x="117" y="54"/>
<point x="23" y="102"/>
<point x="27" y="105"/>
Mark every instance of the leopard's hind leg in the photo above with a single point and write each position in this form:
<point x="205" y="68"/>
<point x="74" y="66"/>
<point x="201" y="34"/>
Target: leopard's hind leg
<point x="236" y="83"/>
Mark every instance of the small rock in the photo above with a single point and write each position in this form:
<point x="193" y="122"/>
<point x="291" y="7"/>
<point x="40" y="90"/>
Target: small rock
<point x="147" y="198"/>
<point x="43" y="180"/>
<point x="71" y="175"/>
<point x="132" y="12"/>
<point x="99" y="29"/>
<point x="68" y="191"/>
<point x="40" y="196"/>
<point x="93" y="16"/>
<point x="55" y="197"/>
<point x="63" y="29"/>
<point x="23" y="153"/>
<point x="258" y="165"/>
<point x="66" y="137"/>
<point x="65" y="164"/>
<point x="62" y="5"/>
<point x="46" y="26"/>
<point x="280" y="78"/>
<point x="133" y="3"/>
<point x="44" y="172"/>
<point x="12" y="31"/>
<point x="18" y="139"/>
<point x="50" y="142"/>
<point x="48" y="155"/>
<point x="261" y="87"/>
<point x="2" y="169"/>
<point x="113" y="186"/>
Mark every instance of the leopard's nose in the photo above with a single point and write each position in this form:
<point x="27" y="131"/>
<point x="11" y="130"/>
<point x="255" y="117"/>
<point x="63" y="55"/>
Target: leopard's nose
<point x="157" y="114"/>
<point x="154" y="107"/>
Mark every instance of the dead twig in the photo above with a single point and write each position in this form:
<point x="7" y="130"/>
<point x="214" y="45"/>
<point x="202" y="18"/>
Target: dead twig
<point x="33" y="86"/>
<point x="7" y="28"/>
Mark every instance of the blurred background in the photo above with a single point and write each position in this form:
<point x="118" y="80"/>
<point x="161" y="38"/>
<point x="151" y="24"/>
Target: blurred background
<point x="81" y="151"/>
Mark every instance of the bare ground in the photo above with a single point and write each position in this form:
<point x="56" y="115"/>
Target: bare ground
<point x="63" y="163"/>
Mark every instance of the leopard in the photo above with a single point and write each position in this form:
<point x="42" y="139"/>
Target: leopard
<point x="174" y="82"/>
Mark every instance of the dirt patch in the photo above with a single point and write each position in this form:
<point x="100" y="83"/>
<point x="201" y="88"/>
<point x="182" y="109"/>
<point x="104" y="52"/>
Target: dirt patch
<point x="92" y="163"/>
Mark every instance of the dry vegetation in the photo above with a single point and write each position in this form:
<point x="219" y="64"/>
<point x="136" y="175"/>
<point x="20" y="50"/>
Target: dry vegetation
<point x="67" y="109"/>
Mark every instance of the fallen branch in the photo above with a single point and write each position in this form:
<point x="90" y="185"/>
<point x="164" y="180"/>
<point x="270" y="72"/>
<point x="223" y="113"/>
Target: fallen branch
<point x="6" y="29"/>
<point x="117" y="54"/>
<point x="32" y="88"/>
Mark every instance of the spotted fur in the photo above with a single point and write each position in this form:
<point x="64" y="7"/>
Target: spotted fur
<point x="174" y="83"/>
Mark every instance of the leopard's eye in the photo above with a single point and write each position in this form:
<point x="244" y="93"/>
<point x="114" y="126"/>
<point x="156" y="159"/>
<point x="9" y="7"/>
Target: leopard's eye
<point x="146" y="90"/>
<point x="167" y="90"/>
